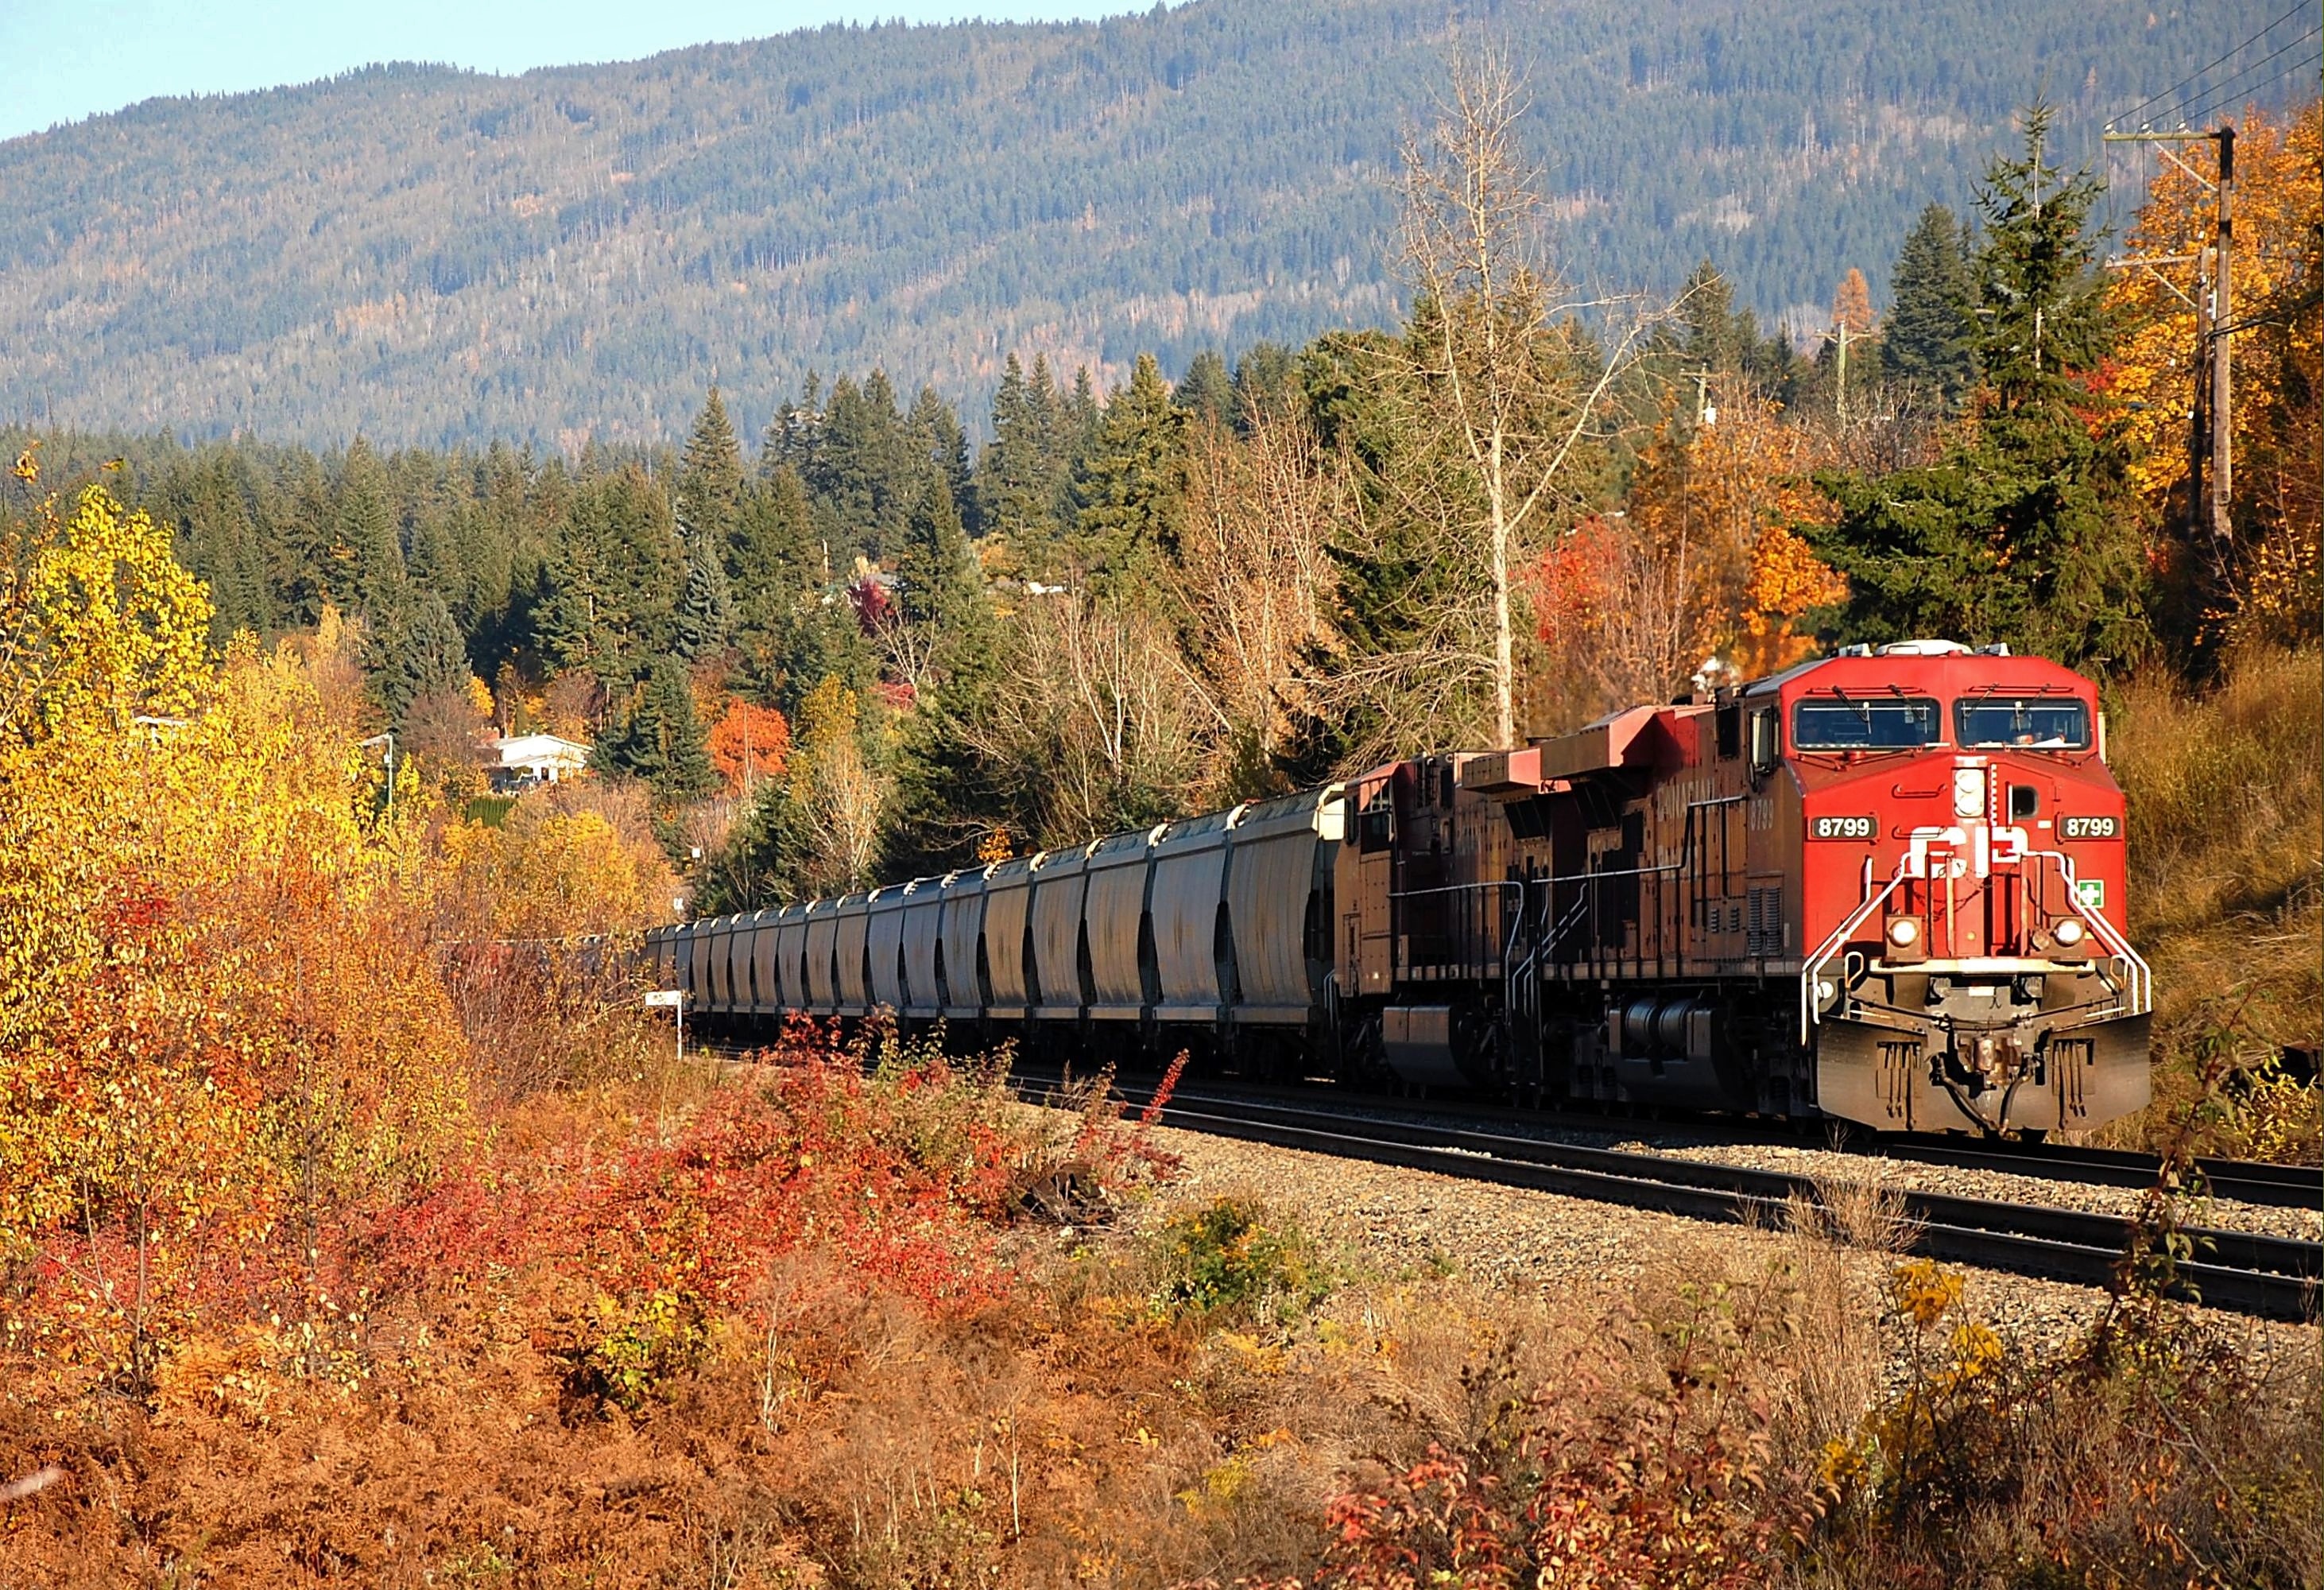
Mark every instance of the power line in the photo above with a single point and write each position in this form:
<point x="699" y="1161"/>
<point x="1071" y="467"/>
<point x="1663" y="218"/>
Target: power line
<point x="2219" y="93"/>
<point x="2227" y="94"/>
<point x="2234" y="50"/>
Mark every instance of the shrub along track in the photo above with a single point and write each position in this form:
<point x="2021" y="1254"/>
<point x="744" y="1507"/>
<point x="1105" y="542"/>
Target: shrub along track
<point x="2275" y="1278"/>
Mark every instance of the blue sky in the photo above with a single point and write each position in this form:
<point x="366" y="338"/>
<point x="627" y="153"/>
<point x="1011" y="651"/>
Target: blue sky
<point x="62" y="59"/>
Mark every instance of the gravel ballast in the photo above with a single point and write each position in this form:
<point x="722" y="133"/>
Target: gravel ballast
<point x="1841" y="1166"/>
<point x="1404" y="1222"/>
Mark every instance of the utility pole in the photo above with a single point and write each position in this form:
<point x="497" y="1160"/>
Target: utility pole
<point x="2211" y="436"/>
<point x="1839" y="401"/>
<point x="2222" y="432"/>
<point x="2199" y="427"/>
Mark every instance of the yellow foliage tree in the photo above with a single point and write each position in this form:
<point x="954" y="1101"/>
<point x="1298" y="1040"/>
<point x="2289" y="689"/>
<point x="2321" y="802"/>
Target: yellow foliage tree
<point x="97" y="618"/>
<point x="2269" y="585"/>
<point x="219" y="1024"/>
<point x="545" y="874"/>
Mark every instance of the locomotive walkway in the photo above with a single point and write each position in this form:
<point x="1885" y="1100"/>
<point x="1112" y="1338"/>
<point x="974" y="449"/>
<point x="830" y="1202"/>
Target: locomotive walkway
<point x="2271" y="1277"/>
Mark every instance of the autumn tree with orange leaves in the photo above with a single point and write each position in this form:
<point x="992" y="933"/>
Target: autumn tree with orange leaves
<point x="2267" y="583"/>
<point x="1703" y="572"/>
<point x="748" y="742"/>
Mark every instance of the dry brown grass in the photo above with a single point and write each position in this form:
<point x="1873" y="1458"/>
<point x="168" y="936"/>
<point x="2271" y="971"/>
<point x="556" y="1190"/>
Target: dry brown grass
<point x="2227" y="888"/>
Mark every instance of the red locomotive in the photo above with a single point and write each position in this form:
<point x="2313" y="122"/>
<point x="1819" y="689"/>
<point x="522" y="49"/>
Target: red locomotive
<point x="1884" y="886"/>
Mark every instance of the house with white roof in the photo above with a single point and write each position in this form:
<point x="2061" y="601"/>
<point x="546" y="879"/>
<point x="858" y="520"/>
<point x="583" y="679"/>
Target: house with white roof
<point x="525" y="760"/>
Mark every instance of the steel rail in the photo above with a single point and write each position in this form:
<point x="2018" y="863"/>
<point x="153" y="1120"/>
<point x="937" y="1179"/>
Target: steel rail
<point x="2250" y="1181"/>
<point x="2273" y="1277"/>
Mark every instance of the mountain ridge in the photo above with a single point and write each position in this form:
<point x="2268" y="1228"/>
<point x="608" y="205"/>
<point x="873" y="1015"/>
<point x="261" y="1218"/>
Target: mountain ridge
<point x="431" y="255"/>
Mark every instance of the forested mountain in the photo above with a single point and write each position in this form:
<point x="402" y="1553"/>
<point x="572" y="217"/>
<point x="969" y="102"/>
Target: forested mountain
<point x="429" y="255"/>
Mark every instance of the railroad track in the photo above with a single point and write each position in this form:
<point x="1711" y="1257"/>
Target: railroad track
<point x="2275" y="1278"/>
<point x="2250" y="1181"/>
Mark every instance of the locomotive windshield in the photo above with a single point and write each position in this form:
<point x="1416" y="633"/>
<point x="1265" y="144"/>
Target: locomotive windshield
<point x="1839" y="722"/>
<point x="2051" y="722"/>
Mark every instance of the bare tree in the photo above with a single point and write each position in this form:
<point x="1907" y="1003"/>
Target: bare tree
<point x="1253" y="576"/>
<point x="839" y="797"/>
<point x="448" y="730"/>
<point x="1095" y="718"/>
<point x="1494" y="367"/>
<point x="842" y="801"/>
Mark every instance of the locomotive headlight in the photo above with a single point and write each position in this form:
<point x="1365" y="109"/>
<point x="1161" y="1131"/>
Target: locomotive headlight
<point x="1904" y="932"/>
<point x="1969" y="791"/>
<point x="2068" y="932"/>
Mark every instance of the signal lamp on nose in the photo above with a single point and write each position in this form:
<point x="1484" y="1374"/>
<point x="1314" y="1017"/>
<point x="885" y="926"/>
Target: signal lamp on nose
<point x="1904" y="932"/>
<point x="2069" y="932"/>
<point x="1969" y="791"/>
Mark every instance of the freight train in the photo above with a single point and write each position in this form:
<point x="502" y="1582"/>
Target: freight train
<point x="1885" y="886"/>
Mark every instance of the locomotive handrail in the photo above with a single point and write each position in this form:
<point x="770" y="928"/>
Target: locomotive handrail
<point x="1810" y="972"/>
<point x="1570" y="921"/>
<point x="1586" y="877"/>
<point x="2142" y="975"/>
<point x="2141" y="991"/>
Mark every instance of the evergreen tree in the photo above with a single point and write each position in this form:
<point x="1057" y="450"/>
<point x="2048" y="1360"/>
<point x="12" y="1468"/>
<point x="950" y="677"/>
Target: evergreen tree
<point x="223" y="545"/>
<point x="615" y="580"/>
<point x="1932" y="315"/>
<point x="307" y="573"/>
<point x="1131" y="487"/>
<point x="796" y="433"/>
<point x="945" y="793"/>
<point x="864" y="477"/>
<point x="938" y="583"/>
<point x="762" y="860"/>
<point x="822" y="641"/>
<point x="660" y="740"/>
<point x="1206" y="392"/>
<point x="368" y="554"/>
<point x="436" y="564"/>
<point x="774" y="560"/>
<point x="1775" y="367"/>
<point x="2023" y="531"/>
<point x="412" y="647"/>
<point x="1266" y="382"/>
<point x="1390" y="580"/>
<point x="936" y="437"/>
<point x="1078" y="415"/>
<point x="1019" y="476"/>
<point x="710" y="478"/>
<point x="1714" y="341"/>
<point x="704" y="620"/>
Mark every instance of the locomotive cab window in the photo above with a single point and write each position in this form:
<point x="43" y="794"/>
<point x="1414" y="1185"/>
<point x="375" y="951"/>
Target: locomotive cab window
<point x="1764" y="752"/>
<point x="1838" y="721"/>
<point x="2023" y="723"/>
